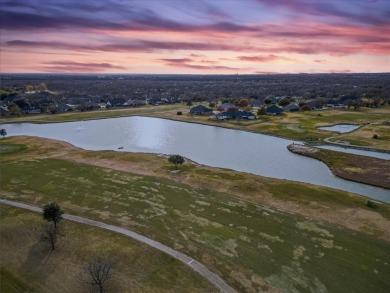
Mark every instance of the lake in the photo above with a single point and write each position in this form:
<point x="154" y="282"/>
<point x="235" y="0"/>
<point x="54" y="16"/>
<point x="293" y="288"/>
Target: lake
<point x="209" y="145"/>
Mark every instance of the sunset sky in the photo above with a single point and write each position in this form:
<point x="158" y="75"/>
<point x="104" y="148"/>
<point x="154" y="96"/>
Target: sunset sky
<point x="195" y="36"/>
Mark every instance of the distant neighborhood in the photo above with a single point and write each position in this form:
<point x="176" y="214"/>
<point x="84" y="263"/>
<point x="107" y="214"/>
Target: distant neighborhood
<point x="225" y="97"/>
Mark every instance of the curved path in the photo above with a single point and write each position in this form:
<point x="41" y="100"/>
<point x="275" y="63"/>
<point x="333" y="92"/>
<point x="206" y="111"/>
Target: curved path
<point x="195" y="265"/>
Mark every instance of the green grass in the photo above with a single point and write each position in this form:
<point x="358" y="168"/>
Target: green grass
<point x="244" y="242"/>
<point x="11" y="148"/>
<point x="9" y="282"/>
<point x="28" y="266"/>
<point x="97" y="114"/>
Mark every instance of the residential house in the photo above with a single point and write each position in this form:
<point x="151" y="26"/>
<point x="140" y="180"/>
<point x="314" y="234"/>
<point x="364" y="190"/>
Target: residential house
<point x="226" y="107"/>
<point x="171" y="100"/>
<point x="291" y="108"/>
<point x="270" y="101"/>
<point x="316" y="105"/>
<point x="155" y="101"/>
<point x="91" y="106"/>
<point x="31" y="110"/>
<point x="4" y="111"/>
<point x="274" y="110"/>
<point x="119" y="102"/>
<point x="201" y="110"/>
<point x="257" y="103"/>
<point x="135" y="103"/>
<point x="63" y="108"/>
<point x="235" y="114"/>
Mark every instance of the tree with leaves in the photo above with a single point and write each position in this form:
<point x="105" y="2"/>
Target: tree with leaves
<point x="262" y="111"/>
<point x="97" y="272"/>
<point x="3" y="132"/>
<point x="176" y="160"/>
<point x="52" y="213"/>
<point x="305" y="108"/>
<point x="284" y="102"/>
<point x="243" y="103"/>
<point x="41" y="87"/>
<point x="29" y="88"/>
<point x="14" y="109"/>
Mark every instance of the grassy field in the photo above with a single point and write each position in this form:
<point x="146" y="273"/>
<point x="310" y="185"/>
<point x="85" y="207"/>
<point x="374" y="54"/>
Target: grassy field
<point x="27" y="264"/>
<point x="357" y="168"/>
<point x="97" y="114"/>
<point x="251" y="245"/>
<point x="299" y="126"/>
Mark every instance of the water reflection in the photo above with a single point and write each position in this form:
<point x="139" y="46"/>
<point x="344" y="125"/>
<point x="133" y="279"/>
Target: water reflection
<point x="342" y="128"/>
<point x="218" y="147"/>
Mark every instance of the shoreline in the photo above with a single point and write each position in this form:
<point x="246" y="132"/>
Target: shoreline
<point x="309" y="151"/>
<point x="69" y="147"/>
<point x="323" y="142"/>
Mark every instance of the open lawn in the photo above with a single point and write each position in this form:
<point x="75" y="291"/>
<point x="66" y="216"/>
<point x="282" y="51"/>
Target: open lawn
<point x="222" y="218"/>
<point x="97" y="114"/>
<point x="28" y="265"/>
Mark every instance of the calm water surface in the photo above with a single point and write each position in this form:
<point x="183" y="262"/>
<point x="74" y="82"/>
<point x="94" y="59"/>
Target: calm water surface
<point x="214" y="146"/>
<point x="379" y="155"/>
<point x="342" y="128"/>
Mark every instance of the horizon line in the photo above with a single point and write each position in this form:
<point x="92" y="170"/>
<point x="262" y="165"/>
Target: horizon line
<point x="225" y="74"/>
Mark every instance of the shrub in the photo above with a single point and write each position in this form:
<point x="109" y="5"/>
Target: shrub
<point x="179" y="113"/>
<point x="375" y="136"/>
<point x="176" y="160"/>
<point x="243" y="103"/>
<point x="370" y="203"/>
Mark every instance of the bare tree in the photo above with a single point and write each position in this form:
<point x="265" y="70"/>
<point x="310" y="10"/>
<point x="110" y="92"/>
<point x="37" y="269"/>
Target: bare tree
<point x="51" y="235"/>
<point x="97" y="272"/>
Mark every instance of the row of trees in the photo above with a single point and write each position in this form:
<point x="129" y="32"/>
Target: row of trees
<point x="200" y="88"/>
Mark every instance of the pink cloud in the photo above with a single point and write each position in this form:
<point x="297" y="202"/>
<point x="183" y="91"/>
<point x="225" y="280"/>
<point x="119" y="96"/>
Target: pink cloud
<point x="188" y="63"/>
<point x="263" y="59"/>
<point x="71" y="66"/>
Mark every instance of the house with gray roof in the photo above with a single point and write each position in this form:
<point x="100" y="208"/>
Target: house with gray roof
<point x="201" y="110"/>
<point x="241" y="115"/>
<point x="226" y="107"/>
<point x="274" y="110"/>
<point x="291" y="108"/>
<point x="257" y="103"/>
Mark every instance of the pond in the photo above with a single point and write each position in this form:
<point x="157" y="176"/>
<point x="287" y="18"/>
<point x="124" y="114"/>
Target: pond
<point x="209" y="145"/>
<point x="342" y="128"/>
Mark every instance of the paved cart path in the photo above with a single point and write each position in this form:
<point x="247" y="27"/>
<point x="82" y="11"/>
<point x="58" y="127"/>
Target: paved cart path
<point x="195" y="265"/>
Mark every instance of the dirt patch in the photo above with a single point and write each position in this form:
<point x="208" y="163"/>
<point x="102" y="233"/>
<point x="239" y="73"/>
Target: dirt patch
<point x="295" y="127"/>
